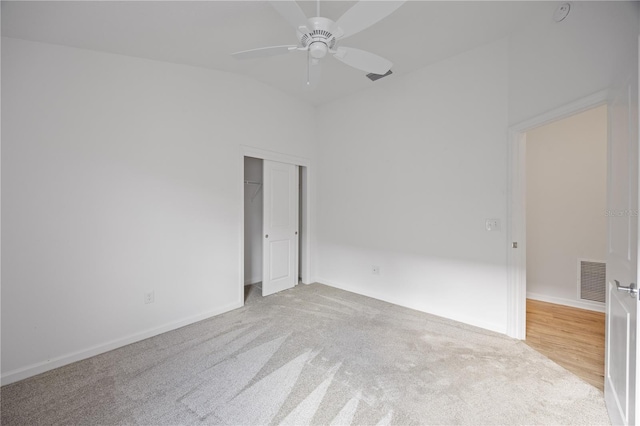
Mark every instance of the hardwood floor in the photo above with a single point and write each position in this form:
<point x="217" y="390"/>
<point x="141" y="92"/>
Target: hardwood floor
<point x="573" y="338"/>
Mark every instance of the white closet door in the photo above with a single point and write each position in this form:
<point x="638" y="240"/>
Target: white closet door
<point x="280" y="227"/>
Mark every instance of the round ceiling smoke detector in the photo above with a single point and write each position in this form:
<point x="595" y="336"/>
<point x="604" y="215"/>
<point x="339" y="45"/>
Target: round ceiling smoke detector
<point x="562" y="12"/>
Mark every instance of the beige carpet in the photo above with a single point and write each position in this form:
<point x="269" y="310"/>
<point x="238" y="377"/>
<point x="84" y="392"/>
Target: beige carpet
<point x="311" y="355"/>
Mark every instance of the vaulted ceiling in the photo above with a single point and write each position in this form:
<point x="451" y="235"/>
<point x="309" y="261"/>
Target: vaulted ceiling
<point x="205" y="33"/>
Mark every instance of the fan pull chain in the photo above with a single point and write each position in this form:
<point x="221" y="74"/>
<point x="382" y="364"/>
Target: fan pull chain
<point x="308" y="69"/>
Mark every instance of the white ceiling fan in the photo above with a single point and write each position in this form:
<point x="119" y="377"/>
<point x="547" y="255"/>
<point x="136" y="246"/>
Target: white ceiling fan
<point x="318" y="36"/>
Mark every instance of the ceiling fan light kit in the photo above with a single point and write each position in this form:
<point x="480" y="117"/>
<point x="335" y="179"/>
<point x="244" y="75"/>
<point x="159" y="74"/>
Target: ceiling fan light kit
<point x="318" y="36"/>
<point x="318" y="50"/>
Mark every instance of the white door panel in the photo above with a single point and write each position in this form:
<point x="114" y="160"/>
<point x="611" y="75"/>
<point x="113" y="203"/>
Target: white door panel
<point x="280" y="247"/>
<point x="280" y="196"/>
<point x="622" y="256"/>
<point x="280" y="254"/>
<point x="618" y="348"/>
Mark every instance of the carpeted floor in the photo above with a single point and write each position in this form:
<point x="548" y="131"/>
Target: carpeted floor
<point x="311" y="355"/>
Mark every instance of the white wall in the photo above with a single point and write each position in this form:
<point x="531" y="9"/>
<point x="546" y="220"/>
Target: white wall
<point x="409" y="172"/>
<point x="566" y="168"/>
<point x="410" y="169"/>
<point x="553" y="64"/>
<point x="253" y="202"/>
<point x="122" y="176"/>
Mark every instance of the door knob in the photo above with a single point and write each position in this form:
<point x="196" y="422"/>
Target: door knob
<point x="266" y="236"/>
<point x="631" y="289"/>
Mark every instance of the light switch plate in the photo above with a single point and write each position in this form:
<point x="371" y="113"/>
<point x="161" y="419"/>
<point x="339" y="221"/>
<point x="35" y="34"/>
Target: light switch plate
<point x="492" y="224"/>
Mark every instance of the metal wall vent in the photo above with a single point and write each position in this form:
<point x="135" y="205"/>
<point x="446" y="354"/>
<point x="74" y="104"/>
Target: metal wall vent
<point x="592" y="281"/>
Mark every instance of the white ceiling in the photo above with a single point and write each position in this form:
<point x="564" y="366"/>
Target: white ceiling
<point x="205" y="33"/>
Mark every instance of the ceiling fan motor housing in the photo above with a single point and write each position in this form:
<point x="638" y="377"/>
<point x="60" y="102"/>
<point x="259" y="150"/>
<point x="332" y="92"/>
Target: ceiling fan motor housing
<point x="319" y="37"/>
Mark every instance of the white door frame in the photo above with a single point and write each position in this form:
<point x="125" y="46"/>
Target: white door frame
<point x="516" y="205"/>
<point x="305" y="202"/>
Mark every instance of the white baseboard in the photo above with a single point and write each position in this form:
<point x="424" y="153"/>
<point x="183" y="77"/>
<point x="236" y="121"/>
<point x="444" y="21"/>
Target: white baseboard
<point x="252" y="281"/>
<point x="41" y="367"/>
<point x="415" y="306"/>
<point x="581" y="304"/>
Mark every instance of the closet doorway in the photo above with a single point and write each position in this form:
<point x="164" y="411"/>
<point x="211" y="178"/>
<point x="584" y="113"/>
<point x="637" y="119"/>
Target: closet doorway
<point x="274" y="226"/>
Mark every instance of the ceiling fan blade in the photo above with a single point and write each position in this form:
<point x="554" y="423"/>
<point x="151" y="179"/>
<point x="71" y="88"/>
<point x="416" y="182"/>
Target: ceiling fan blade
<point x="264" y="52"/>
<point x="290" y="11"/>
<point x="363" y="60"/>
<point x="366" y="13"/>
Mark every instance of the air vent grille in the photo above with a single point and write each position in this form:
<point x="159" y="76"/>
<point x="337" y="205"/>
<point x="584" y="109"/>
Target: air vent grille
<point x="593" y="281"/>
